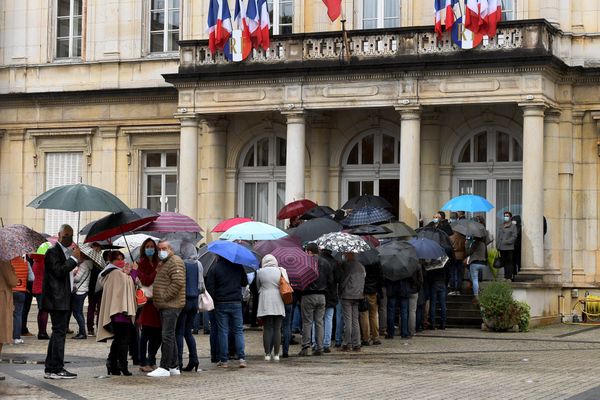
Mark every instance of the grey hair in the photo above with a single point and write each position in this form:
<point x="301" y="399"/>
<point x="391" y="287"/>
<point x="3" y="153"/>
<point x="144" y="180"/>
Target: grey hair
<point x="64" y="227"/>
<point x="165" y="241"/>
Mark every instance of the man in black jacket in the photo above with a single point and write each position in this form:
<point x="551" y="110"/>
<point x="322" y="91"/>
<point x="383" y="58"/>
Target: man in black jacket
<point x="369" y="319"/>
<point x="60" y="260"/>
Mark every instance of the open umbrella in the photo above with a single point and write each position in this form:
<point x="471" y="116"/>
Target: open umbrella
<point x="295" y="208"/>
<point x="94" y="255"/>
<point x="78" y="197"/>
<point x="206" y="258"/>
<point x="173" y="222"/>
<point x="265" y="247"/>
<point x="253" y="231"/>
<point x="228" y="223"/>
<point x="398" y="260"/>
<point x="16" y="240"/>
<point x="311" y="230"/>
<point x="234" y="252"/>
<point x="133" y="241"/>
<point x="117" y="224"/>
<point x="342" y="243"/>
<point x="300" y="266"/>
<point x="366" y="200"/>
<point x="367" y="215"/>
<point x="468" y="227"/>
<point x="318" y="212"/>
<point x="469" y="203"/>
<point x="438" y="236"/>
<point x="427" y="249"/>
<point x="398" y="229"/>
<point x="369" y="230"/>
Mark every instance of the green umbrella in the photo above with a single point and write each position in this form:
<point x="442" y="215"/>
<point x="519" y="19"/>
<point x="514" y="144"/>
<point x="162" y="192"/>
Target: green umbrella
<point x="78" y="197"/>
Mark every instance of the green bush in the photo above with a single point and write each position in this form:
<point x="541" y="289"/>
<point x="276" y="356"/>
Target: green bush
<point x="524" y="311"/>
<point x="498" y="309"/>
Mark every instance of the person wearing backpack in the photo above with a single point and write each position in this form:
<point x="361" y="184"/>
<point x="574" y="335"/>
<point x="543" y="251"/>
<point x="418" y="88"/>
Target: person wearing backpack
<point x="194" y="286"/>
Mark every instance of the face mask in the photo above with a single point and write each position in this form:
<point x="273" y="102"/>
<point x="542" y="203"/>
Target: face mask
<point x="119" y="263"/>
<point x="163" y="254"/>
<point x="506" y="219"/>
<point x="452" y="220"/>
<point x="436" y="220"/>
<point x="149" y="252"/>
<point x="66" y="241"/>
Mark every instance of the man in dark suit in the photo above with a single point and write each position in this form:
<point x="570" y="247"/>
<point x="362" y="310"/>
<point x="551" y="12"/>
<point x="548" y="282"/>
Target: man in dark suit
<point x="60" y="260"/>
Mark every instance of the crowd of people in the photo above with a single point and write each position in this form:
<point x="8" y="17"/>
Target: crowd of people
<point x="349" y="305"/>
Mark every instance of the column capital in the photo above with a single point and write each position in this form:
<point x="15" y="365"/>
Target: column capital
<point x="295" y="116"/>
<point x="214" y="122"/>
<point x="186" y="117"/>
<point x="577" y="117"/>
<point x="596" y="118"/>
<point x="552" y="115"/>
<point x="533" y="109"/>
<point x="409" y="112"/>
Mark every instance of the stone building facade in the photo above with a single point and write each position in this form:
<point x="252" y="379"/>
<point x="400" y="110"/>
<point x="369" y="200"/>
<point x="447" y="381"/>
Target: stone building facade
<point x="101" y="92"/>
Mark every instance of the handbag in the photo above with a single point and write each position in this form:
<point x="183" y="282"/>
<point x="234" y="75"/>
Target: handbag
<point x="285" y="290"/>
<point x="140" y="297"/>
<point x="148" y="291"/>
<point x="498" y="262"/>
<point x="205" y="302"/>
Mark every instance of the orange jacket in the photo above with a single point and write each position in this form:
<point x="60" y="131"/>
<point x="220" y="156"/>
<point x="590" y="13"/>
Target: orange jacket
<point x="21" y="270"/>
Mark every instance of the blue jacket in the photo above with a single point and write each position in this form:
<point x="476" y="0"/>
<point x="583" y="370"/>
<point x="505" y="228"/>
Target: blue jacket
<point x="225" y="281"/>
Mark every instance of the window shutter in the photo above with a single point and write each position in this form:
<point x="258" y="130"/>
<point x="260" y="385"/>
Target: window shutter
<point x="61" y="169"/>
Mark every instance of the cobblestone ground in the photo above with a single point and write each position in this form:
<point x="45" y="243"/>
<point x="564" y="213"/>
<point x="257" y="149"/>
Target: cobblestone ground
<point x="556" y="362"/>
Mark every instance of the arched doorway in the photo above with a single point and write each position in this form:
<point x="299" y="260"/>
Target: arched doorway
<point x="489" y="163"/>
<point x="371" y="165"/>
<point x="261" y="179"/>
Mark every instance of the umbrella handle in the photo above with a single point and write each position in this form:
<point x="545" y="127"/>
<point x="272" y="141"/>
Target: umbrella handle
<point x="127" y="245"/>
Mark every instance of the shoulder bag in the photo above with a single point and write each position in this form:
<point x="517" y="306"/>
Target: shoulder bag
<point x="205" y="302"/>
<point x="285" y="290"/>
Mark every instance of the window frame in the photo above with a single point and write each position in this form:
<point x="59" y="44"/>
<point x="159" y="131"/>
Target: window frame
<point x="71" y="36"/>
<point x="380" y="14"/>
<point x="511" y="11"/>
<point x="274" y="7"/>
<point x="165" y="31"/>
<point x="161" y="171"/>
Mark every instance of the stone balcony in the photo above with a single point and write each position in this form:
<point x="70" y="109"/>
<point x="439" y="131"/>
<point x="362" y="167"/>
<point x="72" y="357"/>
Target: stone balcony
<point x="520" y="41"/>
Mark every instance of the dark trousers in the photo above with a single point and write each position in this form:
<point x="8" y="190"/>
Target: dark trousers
<point x="168" y="321"/>
<point x="507" y="263"/>
<point x="214" y="336"/>
<point x="120" y="344"/>
<point x="26" y="308"/>
<point x="183" y="331"/>
<point x="19" y="302"/>
<point x="42" y="317"/>
<point x="150" y="341"/>
<point x="77" y="306"/>
<point x="93" y="309"/>
<point x="55" y="357"/>
<point x="437" y="293"/>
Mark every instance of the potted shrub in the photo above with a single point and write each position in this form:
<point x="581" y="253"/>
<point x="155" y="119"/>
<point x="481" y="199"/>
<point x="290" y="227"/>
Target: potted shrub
<point x="499" y="311"/>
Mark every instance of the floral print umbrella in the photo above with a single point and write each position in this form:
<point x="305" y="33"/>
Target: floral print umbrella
<point x="342" y="243"/>
<point x="16" y="240"/>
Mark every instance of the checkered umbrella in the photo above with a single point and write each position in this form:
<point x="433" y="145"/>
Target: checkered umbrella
<point x="16" y="240"/>
<point x="94" y="255"/>
<point x="367" y="215"/>
<point x="301" y="267"/>
<point x="342" y="243"/>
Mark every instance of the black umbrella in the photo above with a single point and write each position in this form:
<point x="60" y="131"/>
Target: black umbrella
<point x="311" y="230"/>
<point x="117" y="223"/>
<point x="469" y="228"/>
<point x="438" y="236"/>
<point x="398" y="260"/>
<point x="397" y="229"/>
<point x="366" y="200"/>
<point x="318" y="212"/>
<point x="369" y="230"/>
<point x="368" y="257"/>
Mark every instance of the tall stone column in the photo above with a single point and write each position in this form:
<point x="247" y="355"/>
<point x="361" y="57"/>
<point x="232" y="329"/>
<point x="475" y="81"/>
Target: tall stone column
<point x="188" y="170"/>
<point x="430" y="163"/>
<point x="533" y="192"/>
<point x="320" y="132"/>
<point x="214" y="154"/>
<point x="296" y="143"/>
<point x="577" y="213"/>
<point x="410" y="164"/>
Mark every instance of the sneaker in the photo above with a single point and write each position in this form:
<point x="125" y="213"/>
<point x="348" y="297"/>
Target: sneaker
<point x="79" y="336"/>
<point x="276" y="357"/>
<point x="159" y="372"/>
<point x="243" y="363"/>
<point x="303" y="352"/>
<point x="18" y="341"/>
<point x="268" y="357"/>
<point x="326" y="350"/>
<point x="64" y="374"/>
<point x="174" y="371"/>
<point x="222" y="364"/>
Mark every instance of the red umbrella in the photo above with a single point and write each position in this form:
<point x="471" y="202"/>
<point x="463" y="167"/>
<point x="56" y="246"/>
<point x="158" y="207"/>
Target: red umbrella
<point x="296" y="208"/>
<point x="173" y="222"/>
<point x="228" y="223"/>
<point x="265" y="247"/>
<point x="117" y="224"/>
<point x="301" y="267"/>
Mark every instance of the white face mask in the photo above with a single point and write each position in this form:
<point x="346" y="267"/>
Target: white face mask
<point x="436" y="220"/>
<point x="163" y="254"/>
<point x="506" y="218"/>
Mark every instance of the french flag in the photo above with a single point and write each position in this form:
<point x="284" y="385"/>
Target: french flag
<point x="450" y="13"/>
<point x="334" y="8"/>
<point x="239" y="20"/>
<point x="475" y="12"/>
<point x="257" y="17"/>
<point x="438" y="6"/>
<point x="219" y="24"/>
<point x="265" y="23"/>
<point x="493" y="15"/>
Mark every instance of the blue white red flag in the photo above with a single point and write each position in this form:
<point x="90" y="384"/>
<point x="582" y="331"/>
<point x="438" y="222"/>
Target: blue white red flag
<point x="218" y="24"/>
<point x="257" y="17"/>
<point x="493" y="15"/>
<point x="438" y="7"/>
<point x="450" y="13"/>
<point x="265" y="23"/>
<point x="475" y="10"/>
<point x="234" y="51"/>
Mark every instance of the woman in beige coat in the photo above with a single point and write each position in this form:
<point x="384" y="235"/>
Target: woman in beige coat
<point x="8" y="280"/>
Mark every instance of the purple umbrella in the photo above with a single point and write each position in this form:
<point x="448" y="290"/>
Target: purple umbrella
<point x="16" y="240"/>
<point x="265" y="247"/>
<point x="301" y="267"/>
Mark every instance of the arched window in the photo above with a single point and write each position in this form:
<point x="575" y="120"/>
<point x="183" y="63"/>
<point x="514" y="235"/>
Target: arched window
<point x="371" y="166"/>
<point x="490" y="164"/>
<point x="262" y="179"/>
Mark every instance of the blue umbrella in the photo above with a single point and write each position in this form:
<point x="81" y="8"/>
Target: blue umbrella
<point x="367" y="215"/>
<point x="427" y="249"/>
<point x="469" y="203"/>
<point x="234" y="252"/>
<point x="253" y="231"/>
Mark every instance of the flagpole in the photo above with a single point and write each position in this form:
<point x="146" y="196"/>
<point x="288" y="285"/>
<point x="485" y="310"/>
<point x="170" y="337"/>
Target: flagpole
<point x="345" y="45"/>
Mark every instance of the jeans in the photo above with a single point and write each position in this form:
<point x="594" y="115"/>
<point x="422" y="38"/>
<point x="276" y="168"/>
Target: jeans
<point x="214" y="336"/>
<point x="185" y="324"/>
<point x="412" y="313"/>
<point x="287" y="329"/>
<point x="229" y="317"/>
<point x="328" y="326"/>
<point x="150" y="341"/>
<point x="55" y="356"/>
<point x="456" y="275"/>
<point x="313" y="310"/>
<point x="369" y="320"/>
<point x="272" y="333"/>
<point x="42" y="317"/>
<point x="391" y="315"/>
<point x="475" y="269"/>
<point x="296" y="318"/>
<point x="168" y="322"/>
<point x="352" y="333"/>
<point x="205" y="322"/>
<point x="437" y="292"/>
<point x="26" y="308"/>
<point x="339" y="323"/>
<point x="77" y="306"/>
<point x="19" y="302"/>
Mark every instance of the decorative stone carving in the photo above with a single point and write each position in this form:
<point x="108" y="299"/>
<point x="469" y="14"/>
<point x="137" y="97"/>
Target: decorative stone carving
<point x="83" y="134"/>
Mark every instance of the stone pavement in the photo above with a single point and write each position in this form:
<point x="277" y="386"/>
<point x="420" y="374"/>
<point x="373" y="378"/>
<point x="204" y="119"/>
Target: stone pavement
<point x="556" y="362"/>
